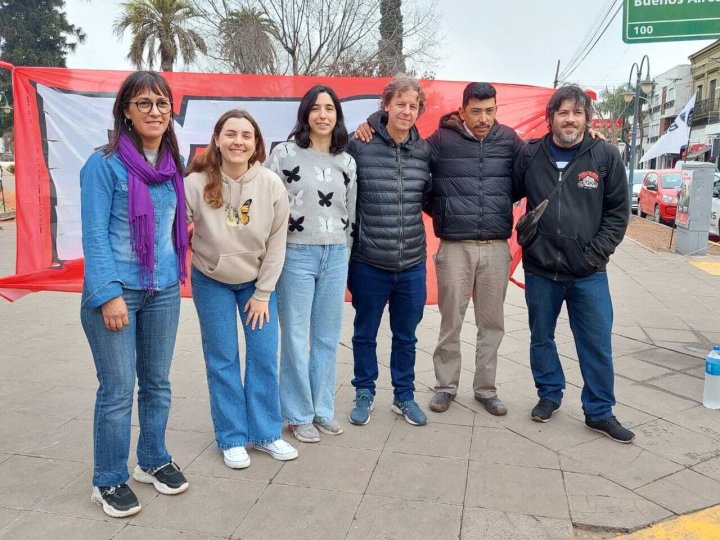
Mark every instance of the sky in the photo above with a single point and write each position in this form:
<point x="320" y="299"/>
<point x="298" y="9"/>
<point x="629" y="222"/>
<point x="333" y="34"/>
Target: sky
<point x="507" y="41"/>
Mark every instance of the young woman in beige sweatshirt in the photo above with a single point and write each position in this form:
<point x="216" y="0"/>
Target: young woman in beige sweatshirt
<point x="240" y="213"/>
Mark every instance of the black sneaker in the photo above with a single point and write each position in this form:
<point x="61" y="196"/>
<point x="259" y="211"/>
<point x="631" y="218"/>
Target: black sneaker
<point x="612" y="428"/>
<point x="116" y="501"/>
<point x="167" y="479"/>
<point x="544" y="410"/>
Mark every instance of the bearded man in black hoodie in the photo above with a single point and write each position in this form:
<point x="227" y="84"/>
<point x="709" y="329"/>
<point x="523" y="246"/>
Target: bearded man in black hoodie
<point x="586" y="217"/>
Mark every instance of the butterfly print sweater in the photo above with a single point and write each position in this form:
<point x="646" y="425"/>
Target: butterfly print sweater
<point x="321" y="192"/>
<point x="245" y="239"/>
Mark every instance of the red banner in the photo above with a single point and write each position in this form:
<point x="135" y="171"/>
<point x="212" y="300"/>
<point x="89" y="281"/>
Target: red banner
<point x="62" y="115"/>
<point x="606" y="123"/>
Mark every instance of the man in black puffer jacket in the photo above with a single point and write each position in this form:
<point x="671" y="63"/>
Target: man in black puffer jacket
<point x="471" y="207"/>
<point x="387" y="263"/>
<point x="585" y="219"/>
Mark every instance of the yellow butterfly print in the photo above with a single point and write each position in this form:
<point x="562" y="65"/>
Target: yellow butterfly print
<point x="245" y="212"/>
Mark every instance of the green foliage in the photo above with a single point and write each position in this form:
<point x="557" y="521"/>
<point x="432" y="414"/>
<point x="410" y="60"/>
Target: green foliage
<point x="34" y="33"/>
<point x="160" y="28"/>
<point x="390" y="46"/>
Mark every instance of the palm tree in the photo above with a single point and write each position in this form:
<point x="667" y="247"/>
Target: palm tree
<point x="159" y="27"/>
<point x="246" y="41"/>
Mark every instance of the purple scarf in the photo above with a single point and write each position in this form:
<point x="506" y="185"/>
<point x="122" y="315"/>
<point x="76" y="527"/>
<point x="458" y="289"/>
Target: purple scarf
<point x="140" y="207"/>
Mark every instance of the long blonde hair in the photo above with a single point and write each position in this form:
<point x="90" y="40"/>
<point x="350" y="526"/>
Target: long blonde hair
<point x="210" y="160"/>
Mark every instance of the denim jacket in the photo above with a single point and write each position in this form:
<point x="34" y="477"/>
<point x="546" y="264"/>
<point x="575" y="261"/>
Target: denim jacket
<point x="110" y="263"/>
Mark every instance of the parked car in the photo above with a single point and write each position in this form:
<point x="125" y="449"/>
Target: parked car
<point x="715" y="211"/>
<point x="658" y="194"/>
<point x="638" y="175"/>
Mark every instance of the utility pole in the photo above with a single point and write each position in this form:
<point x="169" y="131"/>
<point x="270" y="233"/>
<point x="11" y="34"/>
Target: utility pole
<point x="557" y="73"/>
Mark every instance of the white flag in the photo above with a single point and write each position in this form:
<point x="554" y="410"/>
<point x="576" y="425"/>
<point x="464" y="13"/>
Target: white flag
<point x="676" y="136"/>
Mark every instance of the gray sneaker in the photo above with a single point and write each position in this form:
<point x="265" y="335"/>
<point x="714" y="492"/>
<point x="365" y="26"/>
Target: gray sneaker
<point x="305" y="433"/>
<point x="493" y="405"/>
<point x="329" y="427"/>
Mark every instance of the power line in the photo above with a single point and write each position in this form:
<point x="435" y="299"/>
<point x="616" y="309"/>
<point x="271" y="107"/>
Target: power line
<point x="599" y="19"/>
<point x="564" y="76"/>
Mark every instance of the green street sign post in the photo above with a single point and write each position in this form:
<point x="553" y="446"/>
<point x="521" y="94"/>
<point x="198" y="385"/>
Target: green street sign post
<point x="646" y="21"/>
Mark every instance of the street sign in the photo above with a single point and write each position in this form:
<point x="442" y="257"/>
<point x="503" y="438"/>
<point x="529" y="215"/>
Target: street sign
<point x="646" y="21"/>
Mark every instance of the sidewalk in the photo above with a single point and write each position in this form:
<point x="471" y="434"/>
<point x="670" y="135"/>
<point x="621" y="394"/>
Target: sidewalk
<point x="465" y="475"/>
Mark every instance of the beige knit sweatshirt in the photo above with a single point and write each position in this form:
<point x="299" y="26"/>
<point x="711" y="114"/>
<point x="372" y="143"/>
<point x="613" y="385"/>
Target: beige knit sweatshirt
<point x="244" y="240"/>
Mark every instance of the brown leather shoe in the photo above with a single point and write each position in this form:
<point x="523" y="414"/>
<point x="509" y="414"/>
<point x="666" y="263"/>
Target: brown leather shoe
<point x="440" y="402"/>
<point x="493" y="405"/>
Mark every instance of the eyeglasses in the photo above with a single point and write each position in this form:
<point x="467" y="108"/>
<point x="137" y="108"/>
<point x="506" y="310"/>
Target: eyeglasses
<point x="164" y="106"/>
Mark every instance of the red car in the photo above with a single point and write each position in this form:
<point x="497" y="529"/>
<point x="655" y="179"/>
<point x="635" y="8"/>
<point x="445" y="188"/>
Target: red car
<point x="658" y="194"/>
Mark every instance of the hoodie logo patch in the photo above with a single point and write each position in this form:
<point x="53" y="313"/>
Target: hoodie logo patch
<point x="588" y="180"/>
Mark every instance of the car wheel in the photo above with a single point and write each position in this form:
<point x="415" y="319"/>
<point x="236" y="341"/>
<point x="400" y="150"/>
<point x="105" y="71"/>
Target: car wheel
<point x="657" y="216"/>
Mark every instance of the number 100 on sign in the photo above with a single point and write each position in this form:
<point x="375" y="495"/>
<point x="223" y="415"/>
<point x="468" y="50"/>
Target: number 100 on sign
<point x="670" y="20"/>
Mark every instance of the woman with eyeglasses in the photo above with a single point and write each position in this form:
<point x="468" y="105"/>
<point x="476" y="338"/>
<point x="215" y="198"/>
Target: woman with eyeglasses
<point x="134" y="241"/>
<point x="320" y="178"/>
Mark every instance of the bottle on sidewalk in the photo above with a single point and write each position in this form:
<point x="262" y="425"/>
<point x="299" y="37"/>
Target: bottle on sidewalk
<point x="711" y="392"/>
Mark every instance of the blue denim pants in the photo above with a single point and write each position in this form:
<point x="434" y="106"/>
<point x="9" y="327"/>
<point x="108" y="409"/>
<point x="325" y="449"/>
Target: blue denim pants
<point x="242" y="411"/>
<point x="311" y="294"/>
<point x="405" y="291"/>
<point x="590" y="313"/>
<point x="143" y="349"/>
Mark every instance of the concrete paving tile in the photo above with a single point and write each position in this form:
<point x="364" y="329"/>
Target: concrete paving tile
<point x="425" y="478"/>
<point x="637" y="370"/>
<point x="560" y="433"/>
<point x="64" y="373"/>
<point x="72" y="441"/>
<point x="387" y="518"/>
<point x="680" y="384"/>
<point x="511" y="345"/>
<point x="626" y="464"/>
<point x="683" y="491"/>
<point x="651" y="400"/>
<point x="9" y="515"/>
<point x="441" y="440"/>
<point x="700" y="420"/>
<point x="371" y="436"/>
<point x="190" y="414"/>
<point x="329" y="467"/>
<point x="491" y="445"/>
<point x="19" y="430"/>
<point x="667" y="334"/>
<point x="667" y="358"/>
<point x="29" y="480"/>
<point x="709" y="468"/>
<point x="35" y="525"/>
<point x="61" y="402"/>
<point x="213" y="506"/>
<point x="188" y="384"/>
<point x="14" y="394"/>
<point x="263" y="468"/>
<point x="676" y="443"/>
<point x="135" y="532"/>
<point x="495" y="486"/>
<point x="598" y="502"/>
<point x="312" y="513"/>
<point x="483" y="523"/>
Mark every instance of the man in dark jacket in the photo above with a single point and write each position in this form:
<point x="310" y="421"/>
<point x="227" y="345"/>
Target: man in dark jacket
<point x="387" y="263"/>
<point x="471" y="207"/>
<point x="583" y="223"/>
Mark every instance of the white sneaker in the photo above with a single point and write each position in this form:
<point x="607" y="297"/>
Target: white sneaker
<point x="236" y="458"/>
<point x="278" y="449"/>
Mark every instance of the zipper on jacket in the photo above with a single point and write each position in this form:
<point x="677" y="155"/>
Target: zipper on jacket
<point x="400" y="193"/>
<point x="559" y="206"/>
<point x="480" y="191"/>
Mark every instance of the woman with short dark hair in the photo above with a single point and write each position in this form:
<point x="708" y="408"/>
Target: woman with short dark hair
<point x="134" y="241"/>
<point x="320" y="179"/>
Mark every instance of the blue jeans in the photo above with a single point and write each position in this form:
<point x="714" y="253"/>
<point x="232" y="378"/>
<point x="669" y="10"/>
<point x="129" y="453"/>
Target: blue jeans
<point x="590" y="312"/>
<point x="405" y="291"/>
<point x="311" y="294"/>
<point x="143" y="349"/>
<point x="248" y="412"/>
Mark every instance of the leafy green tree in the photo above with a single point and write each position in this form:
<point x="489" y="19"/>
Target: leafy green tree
<point x="160" y="28"/>
<point x="246" y="41"/>
<point x="390" y="46"/>
<point x="33" y="33"/>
